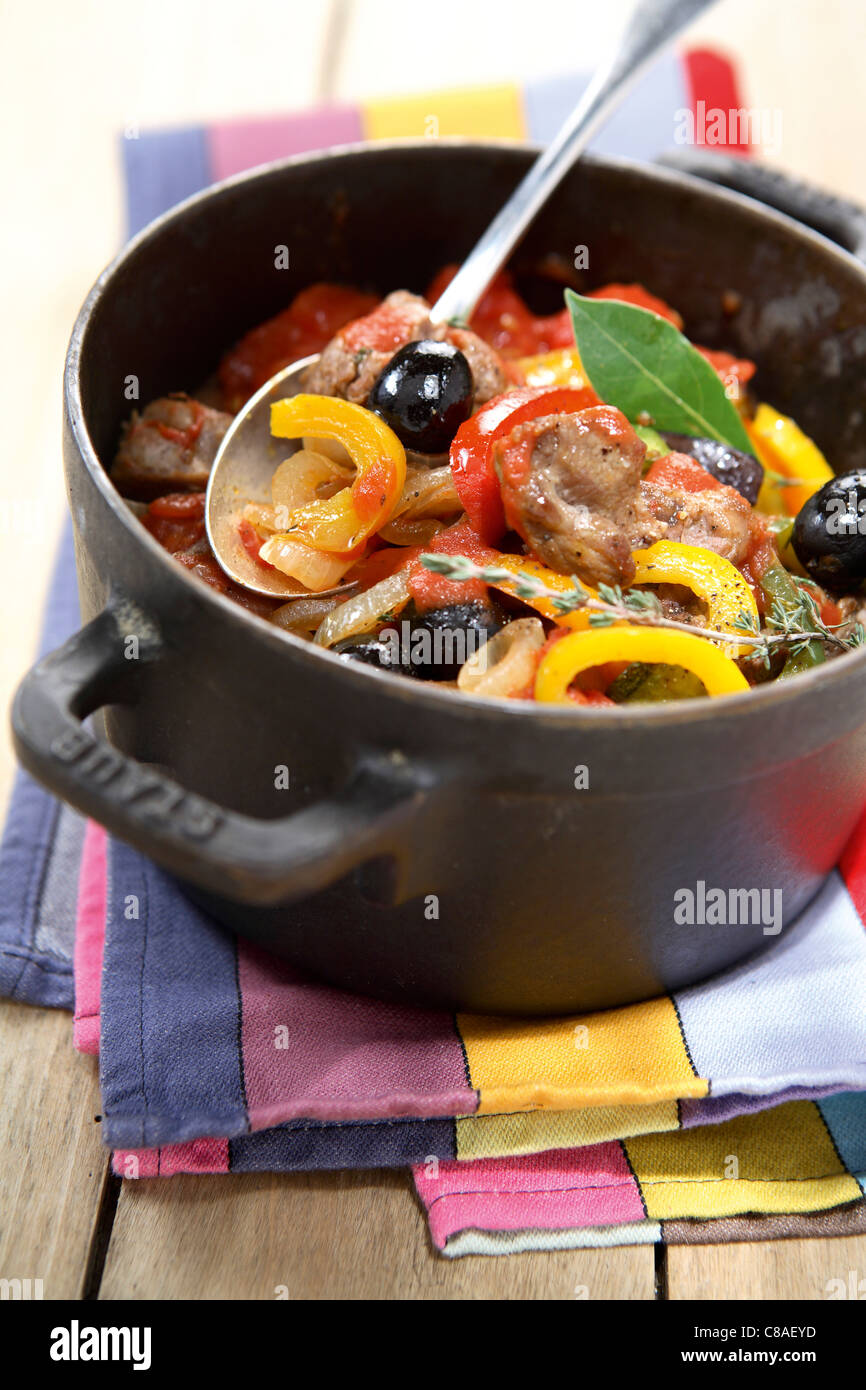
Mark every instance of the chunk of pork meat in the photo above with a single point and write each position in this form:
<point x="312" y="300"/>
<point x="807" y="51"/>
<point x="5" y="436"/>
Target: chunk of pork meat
<point x="719" y="519"/>
<point x="169" y="447"/>
<point x="352" y="361"/>
<point x="572" y="488"/>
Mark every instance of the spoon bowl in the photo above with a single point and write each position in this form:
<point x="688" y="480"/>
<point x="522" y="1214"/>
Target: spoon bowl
<point x="242" y="471"/>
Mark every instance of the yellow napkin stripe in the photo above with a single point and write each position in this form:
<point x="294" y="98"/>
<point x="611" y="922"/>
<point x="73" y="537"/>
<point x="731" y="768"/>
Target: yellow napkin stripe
<point x="717" y="1170"/>
<point x="629" y="1056"/>
<point x="494" y="112"/>
<point x="536" y="1131"/>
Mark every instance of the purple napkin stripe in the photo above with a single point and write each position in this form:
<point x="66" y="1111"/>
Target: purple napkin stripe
<point x="361" y="1144"/>
<point x="714" y="1110"/>
<point x="170" y="1058"/>
<point x="161" y="168"/>
<point x="36" y="923"/>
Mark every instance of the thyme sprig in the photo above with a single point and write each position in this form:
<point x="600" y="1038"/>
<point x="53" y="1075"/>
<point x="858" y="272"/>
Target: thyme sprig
<point x="795" y="627"/>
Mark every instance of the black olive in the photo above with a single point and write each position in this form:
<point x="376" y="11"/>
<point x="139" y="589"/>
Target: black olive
<point x="442" y="639"/>
<point x="829" y="534"/>
<point x="383" y="651"/>
<point x="738" y="470"/>
<point x="424" y="394"/>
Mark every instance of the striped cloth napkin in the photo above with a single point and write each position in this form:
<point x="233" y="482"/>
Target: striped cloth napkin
<point x="742" y="1095"/>
<point x="734" y="1110"/>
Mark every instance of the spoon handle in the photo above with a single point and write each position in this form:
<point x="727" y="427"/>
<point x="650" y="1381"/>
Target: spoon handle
<point x="651" y="25"/>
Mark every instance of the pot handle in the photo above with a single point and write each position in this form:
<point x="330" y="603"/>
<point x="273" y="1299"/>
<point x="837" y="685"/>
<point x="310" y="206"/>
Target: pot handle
<point x="236" y="856"/>
<point x="834" y="217"/>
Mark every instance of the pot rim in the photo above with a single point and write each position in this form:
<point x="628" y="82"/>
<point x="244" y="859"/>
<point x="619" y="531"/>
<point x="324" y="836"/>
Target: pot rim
<point x="774" y="696"/>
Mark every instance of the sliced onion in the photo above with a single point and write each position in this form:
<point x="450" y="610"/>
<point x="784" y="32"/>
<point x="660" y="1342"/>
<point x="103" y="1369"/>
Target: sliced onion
<point x="505" y="664"/>
<point x="331" y="448"/>
<point x="428" y="493"/>
<point x="261" y="516"/>
<point x="315" y="569"/>
<point x="302" y="478"/>
<point x="366" y="610"/>
<point x="303" y="615"/>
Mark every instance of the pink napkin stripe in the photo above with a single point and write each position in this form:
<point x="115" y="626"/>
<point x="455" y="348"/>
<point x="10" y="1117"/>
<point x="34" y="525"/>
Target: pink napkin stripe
<point x="198" y="1156"/>
<point x="316" y="1053"/>
<point x="593" y="1186"/>
<point x="90" y="938"/>
<point x="234" y="146"/>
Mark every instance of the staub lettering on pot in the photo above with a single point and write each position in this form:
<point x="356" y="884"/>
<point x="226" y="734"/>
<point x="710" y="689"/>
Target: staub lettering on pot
<point x="164" y="802"/>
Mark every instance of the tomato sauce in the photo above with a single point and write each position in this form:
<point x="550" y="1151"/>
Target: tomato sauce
<point x="381" y="565"/>
<point x="683" y="472"/>
<point x="177" y="520"/>
<point x="504" y="321"/>
<point x="313" y="318"/>
<point x="384" y="330"/>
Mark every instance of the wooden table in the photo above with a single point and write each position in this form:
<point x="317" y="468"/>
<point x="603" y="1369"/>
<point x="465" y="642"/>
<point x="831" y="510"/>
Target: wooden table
<point x="81" y="73"/>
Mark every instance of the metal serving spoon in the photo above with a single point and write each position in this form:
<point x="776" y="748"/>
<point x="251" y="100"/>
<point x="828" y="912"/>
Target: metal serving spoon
<point x="248" y="456"/>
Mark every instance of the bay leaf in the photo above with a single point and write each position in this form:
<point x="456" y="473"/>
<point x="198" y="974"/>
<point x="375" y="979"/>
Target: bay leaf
<point x="640" y="363"/>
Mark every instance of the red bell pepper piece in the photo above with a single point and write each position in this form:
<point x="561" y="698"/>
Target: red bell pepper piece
<point x="472" y="447"/>
<point x="252" y="542"/>
<point x="431" y="590"/>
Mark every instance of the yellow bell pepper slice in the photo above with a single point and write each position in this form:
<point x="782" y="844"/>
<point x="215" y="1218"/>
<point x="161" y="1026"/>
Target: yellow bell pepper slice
<point x="581" y="650"/>
<point x="579" y="619"/>
<point x="783" y="447"/>
<point x="343" y="522"/>
<point x="562" y="367"/>
<point x="710" y="576"/>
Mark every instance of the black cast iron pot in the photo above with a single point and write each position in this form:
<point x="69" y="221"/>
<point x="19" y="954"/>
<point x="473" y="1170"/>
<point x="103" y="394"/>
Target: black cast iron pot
<point x="434" y="848"/>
